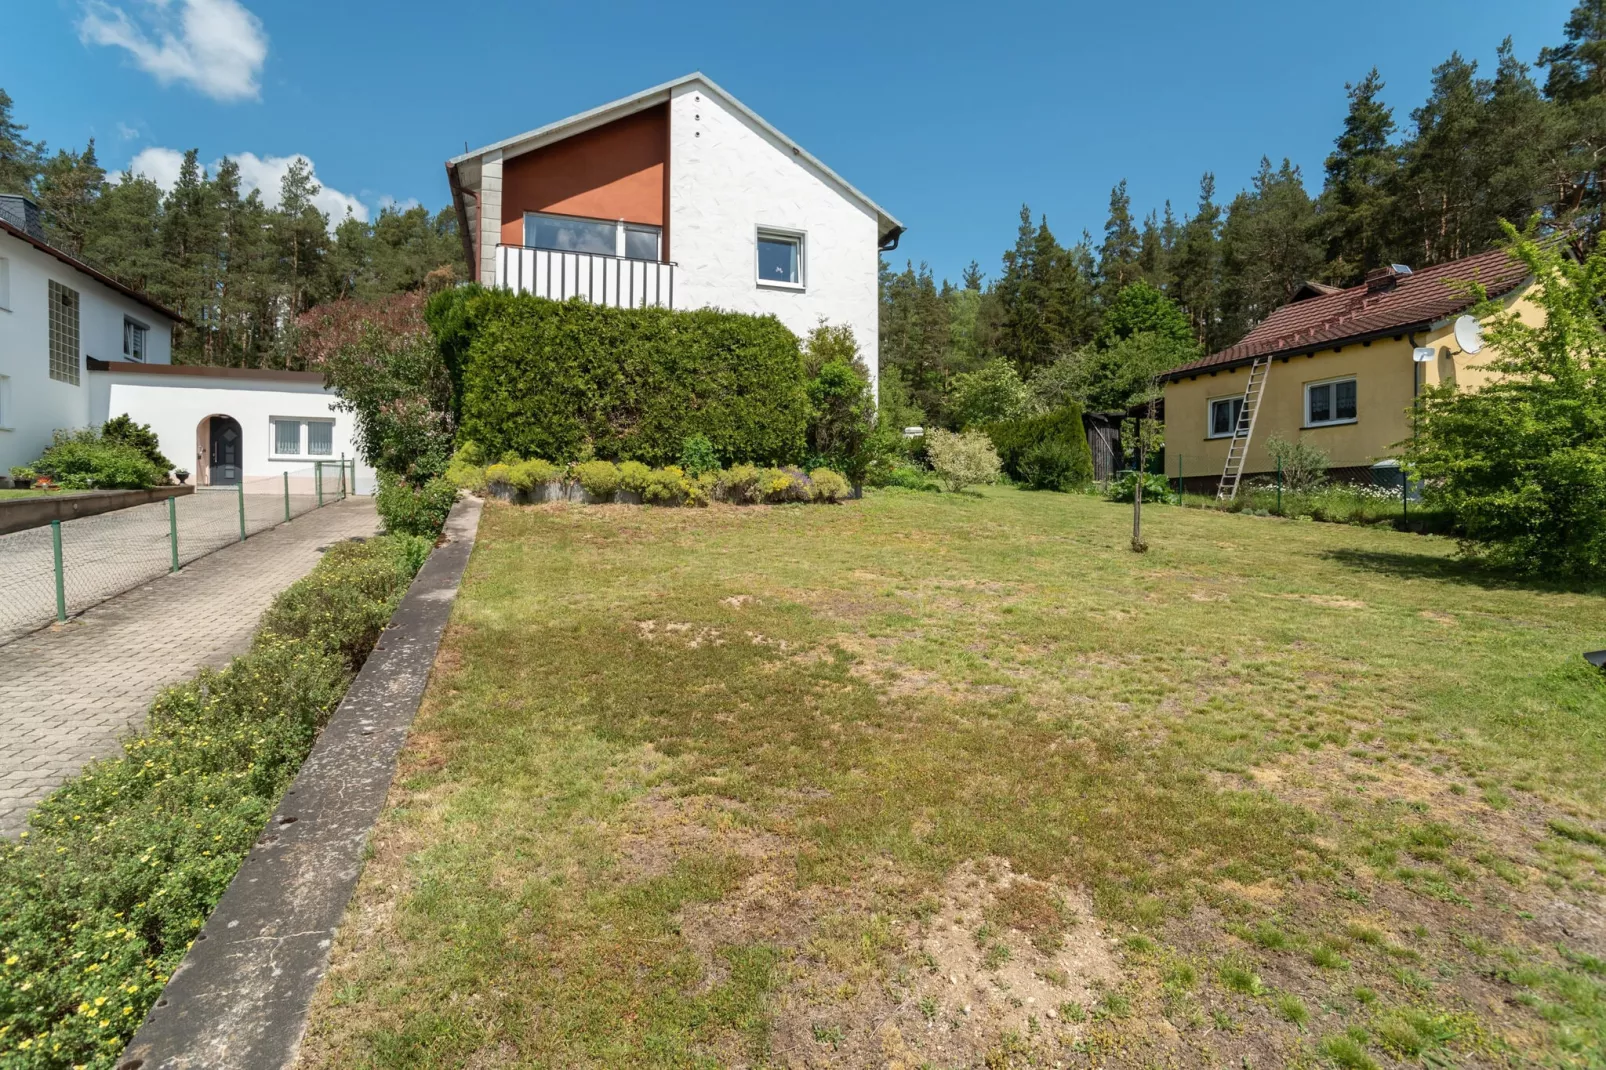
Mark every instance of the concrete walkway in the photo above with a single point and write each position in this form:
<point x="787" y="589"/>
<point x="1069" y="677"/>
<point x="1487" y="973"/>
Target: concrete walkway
<point x="69" y="692"/>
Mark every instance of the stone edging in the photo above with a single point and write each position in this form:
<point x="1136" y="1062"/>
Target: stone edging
<point x="241" y="996"/>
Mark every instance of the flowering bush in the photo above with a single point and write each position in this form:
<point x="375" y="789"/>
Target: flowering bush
<point x="962" y="460"/>
<point x="422" y="510"/>
<point x="102" y="896"/>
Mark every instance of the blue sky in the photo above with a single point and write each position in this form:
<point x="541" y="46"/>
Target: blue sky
<point x="950" y="115"/>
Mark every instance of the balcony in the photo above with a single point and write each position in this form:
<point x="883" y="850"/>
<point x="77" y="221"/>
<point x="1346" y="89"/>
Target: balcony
<point x="602" y="280"/>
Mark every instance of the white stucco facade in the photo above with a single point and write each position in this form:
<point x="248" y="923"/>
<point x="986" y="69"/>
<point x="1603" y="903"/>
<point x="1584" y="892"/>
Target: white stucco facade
<point x="729" y="179"/>
<point x="32" y="403"/>
<point x="178" y="405"/>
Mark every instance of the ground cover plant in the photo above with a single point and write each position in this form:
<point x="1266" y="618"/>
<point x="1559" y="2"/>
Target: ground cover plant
<point x="119" y="868"/>
<point x="958" y="780"/>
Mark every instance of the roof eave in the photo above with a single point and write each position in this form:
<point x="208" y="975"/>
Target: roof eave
<point x="1287" y="352"/>
<point x="562" y="129"/>
<point x="94" y="273"/>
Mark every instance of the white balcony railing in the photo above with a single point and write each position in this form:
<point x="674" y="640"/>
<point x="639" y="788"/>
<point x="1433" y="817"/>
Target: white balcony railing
<point x="599" y="279"/>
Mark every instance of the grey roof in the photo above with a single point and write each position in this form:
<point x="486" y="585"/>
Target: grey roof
<point x="887" y="224"/>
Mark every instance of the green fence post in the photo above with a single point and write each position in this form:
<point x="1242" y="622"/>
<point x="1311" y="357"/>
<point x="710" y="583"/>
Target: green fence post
<point x="61" y="577"/>
<point x="317" y="477"/>
<point x="287" y="497"/>
<point x="241" y="486"/>
<point x="1405" y="496"/>
<point x="342" y="477"/>
<point x="1279" y="486"/>
<point x="172" y="530"/>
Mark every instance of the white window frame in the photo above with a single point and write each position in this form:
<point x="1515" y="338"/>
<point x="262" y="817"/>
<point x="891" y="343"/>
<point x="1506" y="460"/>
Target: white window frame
<point x="1210" y="414"/>
<point x="1333" y="383"/>
<point x="303" y="438"/>
<point x="5" y="284"/>
<point x="67" y="336"/>
<point x="7" y="423"/>
<point x="621" y="227"/>
<point x="139" y="331"/>
<point x="796" y="237"/>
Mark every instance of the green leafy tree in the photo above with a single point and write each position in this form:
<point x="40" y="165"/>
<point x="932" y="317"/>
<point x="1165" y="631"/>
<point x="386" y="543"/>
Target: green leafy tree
<point x="1269" y="248"/>
<point x="1358" y="199"/>
<point x="841" y="403"/>
<point x="1119" y="256"/>
<point x="1521" y="463"/>
<point x="1198" y="266"/>
<point x="67" y="188"/>
<point x="989" y="394"/>
<point x="20" y="158"/>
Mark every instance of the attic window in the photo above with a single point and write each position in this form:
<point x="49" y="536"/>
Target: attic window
<point x="134" y="340"/>
<point x="780" y="258"/>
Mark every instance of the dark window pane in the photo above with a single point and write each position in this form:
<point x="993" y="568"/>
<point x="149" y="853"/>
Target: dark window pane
<point x="1218" y="418"/>
<point x="571" y="235"/>
<point x="641" y="243"/>
<point x="777" y="260"/>
<point x="1321" y="403"/>
<point x="1346" y="400"/>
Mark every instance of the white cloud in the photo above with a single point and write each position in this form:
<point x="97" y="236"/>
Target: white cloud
<point x="126" y="132"/>
<point x="264" y="173"/>
<point x="215" y="46"/>
<point x="387" y="201"/>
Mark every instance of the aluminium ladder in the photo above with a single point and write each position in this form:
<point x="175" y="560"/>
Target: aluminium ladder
<point x="1238" y="448"/>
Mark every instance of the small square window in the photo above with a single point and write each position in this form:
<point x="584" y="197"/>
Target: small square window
<point x="320" y="438"/>
<point x="1330" y="403"/>
<point x="1224" y="415"/>
<point x="780" y="259"/>
<point x="134" y="340"/>
<point x="287" y="438"/>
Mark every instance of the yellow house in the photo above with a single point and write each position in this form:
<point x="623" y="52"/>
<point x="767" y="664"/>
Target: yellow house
<point x="1338" y="367"/>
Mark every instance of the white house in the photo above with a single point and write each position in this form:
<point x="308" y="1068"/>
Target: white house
<point x="78" y="347"/>
<point x="679" y="196"/>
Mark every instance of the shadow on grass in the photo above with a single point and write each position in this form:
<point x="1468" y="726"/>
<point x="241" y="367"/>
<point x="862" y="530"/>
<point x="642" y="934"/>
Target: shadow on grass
<point x="1457" y="570"/>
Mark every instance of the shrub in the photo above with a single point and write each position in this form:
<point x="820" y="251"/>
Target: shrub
<point x="1521" y="463"/>
<point x="140" y="436"/>
<point x="527" y="475"/>
<point x="842" y="408"/>
<point x="121" y="865"/>
<point x="382" y="361"/>
<point x="669" y="486"/>
<point x="910" y="477"/>
<point x="1015" y="438"/>
<point x="84" y="460"/>
<point x="1050" y="466"/>
<point x="990" y="394"/>
<point x="1304" y="466"/>
<point x="741" y="484"/>
<point x="467" y="468"/>
<point x="546" y="378"/>
<point x="633" y="476"/>
<point x="1156" y="488"/>
<point x="599" y="478"/>
<point x="829" y="486"/>
<point x="499" y="477"/>
<point x="697" y="455"/>
<point x="779" y="485"/>
<point x="962" y="460"/>
<point x="409" y="510"/>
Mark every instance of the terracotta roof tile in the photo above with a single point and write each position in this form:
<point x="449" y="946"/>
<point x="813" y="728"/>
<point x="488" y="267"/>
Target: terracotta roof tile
<point x="1417" y="299"/>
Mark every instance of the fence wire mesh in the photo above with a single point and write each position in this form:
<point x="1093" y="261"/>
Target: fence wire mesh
<point x="107" y="554"/>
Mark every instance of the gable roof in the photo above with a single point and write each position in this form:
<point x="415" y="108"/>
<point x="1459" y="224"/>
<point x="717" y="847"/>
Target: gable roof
<point x="886" y="224"/>
<point x="7" y="227"/>
<point x="1328" y="319"/>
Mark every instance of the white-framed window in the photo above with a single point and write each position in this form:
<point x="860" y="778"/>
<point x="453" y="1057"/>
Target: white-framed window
<point x="780" y="258"/>
<point x="606" y="237"/>
<point x="1224" y="414"/>
<point x="294" y="436"/>
<point x="5" y="284"/>
<point x="63" y="321"/>
<point x="1330" y="402"/>
<point x="7" y="420"/>
<point x="134" y="334"/>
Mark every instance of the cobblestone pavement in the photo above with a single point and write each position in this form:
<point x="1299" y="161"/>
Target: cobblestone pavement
<point x="69" y="692"/>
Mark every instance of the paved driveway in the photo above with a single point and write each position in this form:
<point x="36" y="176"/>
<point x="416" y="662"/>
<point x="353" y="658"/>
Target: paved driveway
<point x="68" y="693"/>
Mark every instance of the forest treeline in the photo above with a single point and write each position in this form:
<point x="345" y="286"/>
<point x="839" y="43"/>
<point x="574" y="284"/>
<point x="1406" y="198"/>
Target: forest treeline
<point x="1512" y="143"/>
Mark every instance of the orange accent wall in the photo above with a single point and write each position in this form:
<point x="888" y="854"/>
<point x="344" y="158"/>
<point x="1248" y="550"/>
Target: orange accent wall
<point x="617" y="171"/>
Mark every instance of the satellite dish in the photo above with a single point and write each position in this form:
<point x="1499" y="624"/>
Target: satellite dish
<point x="1468" y="334"/>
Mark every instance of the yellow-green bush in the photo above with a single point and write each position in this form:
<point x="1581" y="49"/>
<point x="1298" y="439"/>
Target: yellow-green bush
<point x="828" y="486"/>
<point x="599" y="478"/>
<point x="633" y="476"/>
<point x="527" y="475"/>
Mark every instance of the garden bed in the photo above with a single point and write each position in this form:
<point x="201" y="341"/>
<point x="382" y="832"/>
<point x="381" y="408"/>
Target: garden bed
<point x="32" y="509"/>
<point x="102" y="895"/>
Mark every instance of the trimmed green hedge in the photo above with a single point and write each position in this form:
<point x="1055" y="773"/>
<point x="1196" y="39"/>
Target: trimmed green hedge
<point x="102" y="895"/>
<point x="570" y="380"/>
<point x="1015" y="441"/>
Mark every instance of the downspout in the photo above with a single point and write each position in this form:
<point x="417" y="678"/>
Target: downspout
<point x="890" y="242"/>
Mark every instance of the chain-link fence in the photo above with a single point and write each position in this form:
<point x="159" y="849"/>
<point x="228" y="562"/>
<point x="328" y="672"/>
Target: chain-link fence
<point x="67" y="566"/>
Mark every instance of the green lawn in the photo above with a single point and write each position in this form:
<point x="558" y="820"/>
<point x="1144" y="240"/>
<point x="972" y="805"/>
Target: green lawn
<point x="938" y="780"/>
<point x="26" y="492"/>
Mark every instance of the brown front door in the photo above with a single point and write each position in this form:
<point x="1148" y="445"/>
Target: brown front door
<point x="225" y="454"/>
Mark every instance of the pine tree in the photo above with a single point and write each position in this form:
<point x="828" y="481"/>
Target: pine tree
<point x="1198" y="266"/>
<point x="1118" y="256"/>
<point x="20" y="158"/>
<point x="124" y="236"/>
<point x="972" y="276"/>
<point x="67" y="189"/>
<point x="1269" y="248"/>
<point x="1357" y="204"/>
<point x="1576" y="83"/>
<point x="301" y="237"/>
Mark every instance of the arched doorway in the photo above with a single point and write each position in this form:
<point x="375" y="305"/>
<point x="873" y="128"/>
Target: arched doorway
<point x="220" y="448"/>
